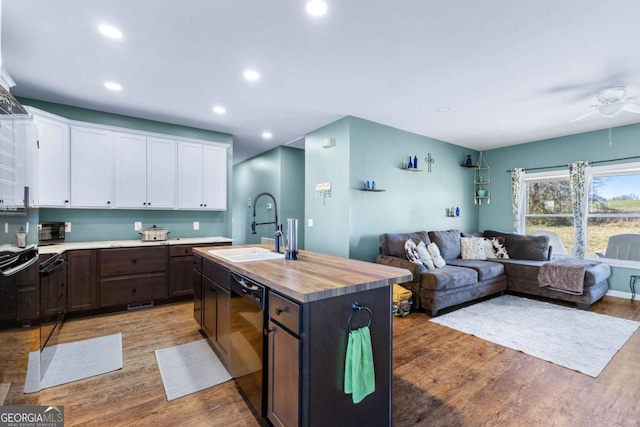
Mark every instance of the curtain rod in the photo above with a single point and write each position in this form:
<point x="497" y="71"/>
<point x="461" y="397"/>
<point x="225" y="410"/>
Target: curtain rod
<point x="594" y="162"/>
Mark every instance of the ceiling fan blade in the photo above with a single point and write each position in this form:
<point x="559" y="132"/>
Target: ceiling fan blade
<point x="584" y="115"/>
<point x="632" y="107"/>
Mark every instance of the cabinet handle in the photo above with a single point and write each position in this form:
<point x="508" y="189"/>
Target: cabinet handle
<point x="134" y="261"/>
<point x="278" y="311"/>
<point x="144" y="203"/>
<point x="66" y="201"/>
<point x="108" y="202"/>
<point x="134" y="290"/>
<point x="212" y="290"/>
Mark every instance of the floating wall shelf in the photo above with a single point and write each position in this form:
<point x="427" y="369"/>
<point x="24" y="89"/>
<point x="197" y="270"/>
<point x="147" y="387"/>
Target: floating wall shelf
<point x="411" y="169"/>
<point x="376" y="190"/>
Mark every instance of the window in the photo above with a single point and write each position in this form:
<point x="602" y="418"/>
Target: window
<point x="613" y="210"/>
<point x="548" y="208"/>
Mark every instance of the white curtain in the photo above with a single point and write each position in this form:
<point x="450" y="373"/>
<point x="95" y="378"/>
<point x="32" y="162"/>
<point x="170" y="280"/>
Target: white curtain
<point x="518" y="195"/>
<point x="579" y="180"/>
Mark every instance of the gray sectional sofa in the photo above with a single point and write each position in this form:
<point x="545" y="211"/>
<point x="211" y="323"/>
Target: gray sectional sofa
<point x="464" y="280"/>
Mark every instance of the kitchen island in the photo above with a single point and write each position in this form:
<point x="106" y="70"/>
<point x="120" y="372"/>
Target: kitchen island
<point x="309" y="303"/>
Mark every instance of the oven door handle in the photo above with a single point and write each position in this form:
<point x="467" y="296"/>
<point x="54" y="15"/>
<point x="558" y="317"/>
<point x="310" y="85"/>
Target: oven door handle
<point x="19" y="268"/>
<point x="52" y="267"/>
<point x="242" y="282"/>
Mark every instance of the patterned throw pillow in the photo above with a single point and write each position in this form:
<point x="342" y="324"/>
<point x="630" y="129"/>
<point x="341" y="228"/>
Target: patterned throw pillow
<point x="498" y="248"/>
<point x="425" y="257"/>
<point x="434" y="251"/>
<point x="411" y="251"/>
<point x="472" y="248"/>
<point x="488" y="249"/>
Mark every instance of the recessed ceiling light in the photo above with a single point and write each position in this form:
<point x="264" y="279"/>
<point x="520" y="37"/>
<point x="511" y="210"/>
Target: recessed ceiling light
<point x="443" y="110"/>
<point x="251" y="75"/>
<point x="316" y="7"/>
<point x="219" y="109"/>
<point x="267" y="135"/>
<point x="113" y="86"/>
<point x="110" y="31"/>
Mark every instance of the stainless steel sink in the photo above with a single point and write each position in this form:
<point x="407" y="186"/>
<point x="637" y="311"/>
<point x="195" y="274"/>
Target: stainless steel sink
<point x="246" y="254"/>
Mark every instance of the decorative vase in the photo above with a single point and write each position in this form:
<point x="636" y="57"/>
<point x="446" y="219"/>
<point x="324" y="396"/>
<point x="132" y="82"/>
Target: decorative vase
<point x="481" y="192"/>
<point x="469" y="162"/>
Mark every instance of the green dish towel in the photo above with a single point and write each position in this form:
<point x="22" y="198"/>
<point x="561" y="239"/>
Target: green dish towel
<point x="359" y="375"/>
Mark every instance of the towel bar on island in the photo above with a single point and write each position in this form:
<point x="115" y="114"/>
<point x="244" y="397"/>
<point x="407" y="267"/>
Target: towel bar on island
<point x="356" y="308"/>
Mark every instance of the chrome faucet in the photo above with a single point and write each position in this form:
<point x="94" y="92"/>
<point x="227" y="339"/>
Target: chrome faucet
<point x="278" y="231"/>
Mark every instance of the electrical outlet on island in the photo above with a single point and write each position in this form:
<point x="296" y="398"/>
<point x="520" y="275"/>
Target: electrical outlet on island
<point x="196" y="225"/>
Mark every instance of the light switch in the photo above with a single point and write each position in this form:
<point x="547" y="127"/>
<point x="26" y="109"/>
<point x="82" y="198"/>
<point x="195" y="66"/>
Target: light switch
<point x="6" y="227"/>
<point x="67" y="227"/>
<point x="310" y="222"/>
<point x="137" y="225"/>
<point x="196" y="225"/>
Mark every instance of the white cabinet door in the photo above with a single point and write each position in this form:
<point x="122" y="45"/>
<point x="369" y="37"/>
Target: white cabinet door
<point x="190" y="182"/>
<point x="130" y="171"/>
<point x="215" y="177"/>
<point x="53" y="162"/>
<point x="92" y="152"/>
<point x="162" y="170"/>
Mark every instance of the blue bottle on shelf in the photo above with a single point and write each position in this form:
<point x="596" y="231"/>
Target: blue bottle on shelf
<point x="373" y="185"/>
<point x="415" y="162"/>
<point x="457" y="211"/>
<point x="410" y="164"/>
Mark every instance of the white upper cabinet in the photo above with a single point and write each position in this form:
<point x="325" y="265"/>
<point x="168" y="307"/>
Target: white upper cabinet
<point x="202" y="176"/>
<point x="162" y="172"/>
<point x="92" y="154"/>
<point x="146" y="170"/>
<point x="53" y="173"/>
<point x="215" y="177"/>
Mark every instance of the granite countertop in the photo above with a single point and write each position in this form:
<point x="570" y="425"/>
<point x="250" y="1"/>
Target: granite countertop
<point x="59" y="248"/>
<point x="313" y="276"/>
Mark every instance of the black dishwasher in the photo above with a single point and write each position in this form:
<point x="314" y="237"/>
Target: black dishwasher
<point x="247" y="339"/>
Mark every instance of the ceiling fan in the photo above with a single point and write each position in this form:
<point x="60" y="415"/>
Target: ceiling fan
<point x="612" y="102"/>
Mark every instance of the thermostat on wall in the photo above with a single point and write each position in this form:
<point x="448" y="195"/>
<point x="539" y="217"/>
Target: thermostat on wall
<point x="328" y="142"/>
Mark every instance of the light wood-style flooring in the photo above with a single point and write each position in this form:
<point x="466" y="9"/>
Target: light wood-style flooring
<point x="441" y="378"/>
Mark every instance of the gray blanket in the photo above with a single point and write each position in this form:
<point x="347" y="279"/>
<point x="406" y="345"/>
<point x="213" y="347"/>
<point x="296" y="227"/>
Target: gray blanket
<point x="565" y="275"/>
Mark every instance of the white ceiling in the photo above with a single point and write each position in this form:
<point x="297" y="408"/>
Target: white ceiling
<point x="510" y="71"/>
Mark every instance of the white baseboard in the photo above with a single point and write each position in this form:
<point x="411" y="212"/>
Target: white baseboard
<point x="622" y="294"/>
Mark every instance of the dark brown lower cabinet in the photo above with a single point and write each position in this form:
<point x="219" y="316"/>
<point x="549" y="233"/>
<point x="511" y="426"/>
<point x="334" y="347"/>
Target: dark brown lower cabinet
<point x="82" y="273"/>
<point x="180" y="270"/>
<point x="216" y="305"/>
<point x="283" y="377"/>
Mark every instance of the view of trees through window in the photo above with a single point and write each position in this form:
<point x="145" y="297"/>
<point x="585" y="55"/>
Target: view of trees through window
<point x="614" y="208"/>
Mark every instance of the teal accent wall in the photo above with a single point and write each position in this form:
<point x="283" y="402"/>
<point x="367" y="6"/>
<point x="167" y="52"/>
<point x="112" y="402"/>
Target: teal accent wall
<point x="118" y="224"/>
<point x="88" y="225"/>
<point x="593" y="146"/>
<point x="350" y="221"/>
<point x="13" y="223"/>
<point x="279" y="171"/>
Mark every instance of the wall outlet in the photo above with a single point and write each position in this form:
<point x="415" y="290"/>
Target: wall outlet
<point x="137" y="225"/>
<point x="6" y="227"/>
<point x="310" y="222"/>
<point x="249" y="202"/>
<point x="196" y="225"/>
<point x="268" y="205"/>
<point x="67" y="227"/>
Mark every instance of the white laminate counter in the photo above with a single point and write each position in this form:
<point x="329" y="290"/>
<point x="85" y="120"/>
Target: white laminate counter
<point x="60" y="248"/>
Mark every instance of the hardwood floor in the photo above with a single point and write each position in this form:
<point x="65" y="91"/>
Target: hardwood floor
<point x="441" y="378"/>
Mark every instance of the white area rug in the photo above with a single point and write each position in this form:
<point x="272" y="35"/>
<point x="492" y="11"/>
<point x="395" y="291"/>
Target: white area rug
<point x="189" y="368"/>
<point x="74" y="361"/>
<point x="4" y="391"/>
<point x="576" y="339"/>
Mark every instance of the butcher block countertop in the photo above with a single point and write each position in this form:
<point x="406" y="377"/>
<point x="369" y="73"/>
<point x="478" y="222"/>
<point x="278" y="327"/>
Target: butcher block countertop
<point x="313" y="276"/>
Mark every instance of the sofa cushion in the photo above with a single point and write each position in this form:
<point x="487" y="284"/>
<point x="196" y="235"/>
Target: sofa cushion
<point x="485" y="269"/>
<point x="448" y="242"/>
<point x="436" y="257"/>
<point x="527" y="247"/>
<point x="528" y="271"/>
<point x="411" y="251"/>
<point x="448" y="277"/>
<point x="472" y="248"/>
<point x="425" y="257"/>
<point x="393" y="243"/>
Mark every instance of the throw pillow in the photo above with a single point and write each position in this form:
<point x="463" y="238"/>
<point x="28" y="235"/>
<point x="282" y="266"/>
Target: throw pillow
<point x="472" y="248"/>
<point x="411" y="251"/>
<point x="488" y="249"/>
<point x="438" y="261"/>
<point x="425" y="257"/>
<point x="499" y="248"/>
<point x="448" y="243"/>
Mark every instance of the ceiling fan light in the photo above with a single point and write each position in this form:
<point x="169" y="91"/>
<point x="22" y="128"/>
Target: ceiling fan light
<point x="611" y="110"/>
